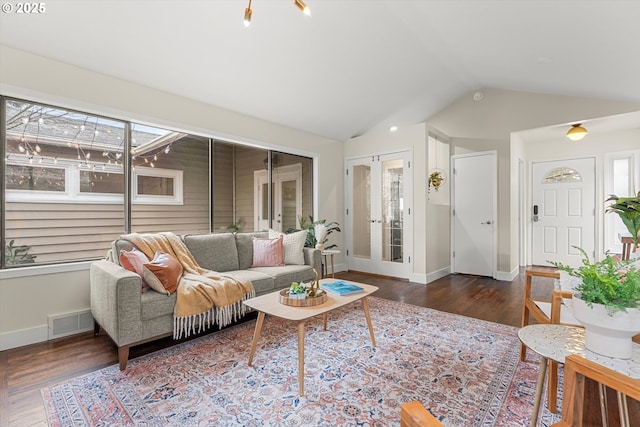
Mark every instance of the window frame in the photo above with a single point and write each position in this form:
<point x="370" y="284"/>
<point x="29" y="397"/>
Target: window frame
<point x="142" y="199"/>
<point x="611" y="242"/>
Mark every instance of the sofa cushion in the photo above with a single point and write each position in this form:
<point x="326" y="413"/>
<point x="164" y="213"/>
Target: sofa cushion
<point x="217" y="252"/>
<point x="283" y="276"/>
<point x="293" y="245"/>
<point x="244" y="243"/>
<point x="261" y="282"/>
<point x="134" y="260"/>
<point x="267" y="252"/>
<point x="162" y="273"/>
<point x="155" y="305"/>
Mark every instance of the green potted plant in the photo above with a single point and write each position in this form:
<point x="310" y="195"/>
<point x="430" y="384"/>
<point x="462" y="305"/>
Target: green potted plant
<point x="297" y="290"/>
<point x="628" y="209"/>
<point x="607" y="303"/>
<point x="329" y="227"/>
<point x="18" y="254"/>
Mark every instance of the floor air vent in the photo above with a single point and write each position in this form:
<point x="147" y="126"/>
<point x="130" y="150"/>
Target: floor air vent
<point x="61" y="325"/>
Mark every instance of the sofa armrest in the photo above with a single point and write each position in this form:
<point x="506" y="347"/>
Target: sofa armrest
<point x="116" y="301"/>
<point x="313" y="258"/>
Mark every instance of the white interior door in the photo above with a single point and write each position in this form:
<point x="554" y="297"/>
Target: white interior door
<point x="379" y="228"/>
<point x="563" y="210"/>
<point x="474" y="210"/>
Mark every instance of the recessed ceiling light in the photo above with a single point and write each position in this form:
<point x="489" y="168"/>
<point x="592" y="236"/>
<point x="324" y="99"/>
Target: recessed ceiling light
<point x="393" y="128"/>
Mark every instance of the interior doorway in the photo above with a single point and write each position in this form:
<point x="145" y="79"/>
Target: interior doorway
<point x="474" y="209"/>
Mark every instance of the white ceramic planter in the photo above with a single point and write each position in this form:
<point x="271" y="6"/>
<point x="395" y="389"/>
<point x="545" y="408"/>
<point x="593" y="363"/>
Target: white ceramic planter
<point x="607" y="332"/>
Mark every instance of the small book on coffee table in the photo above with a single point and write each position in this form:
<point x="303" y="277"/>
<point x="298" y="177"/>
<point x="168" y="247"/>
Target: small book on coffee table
<point x="341" y="288"/>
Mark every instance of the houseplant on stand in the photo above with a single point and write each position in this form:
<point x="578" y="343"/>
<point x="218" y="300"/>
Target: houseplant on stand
<point x="607" y="303"/>
<point x="628" y="209"/>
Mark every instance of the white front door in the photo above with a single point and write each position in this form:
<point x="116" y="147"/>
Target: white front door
<point x="563" y="211"/>
<point x="379" y="215"/>
<point x="286" y="194"/>
<point x="473" y="225"/>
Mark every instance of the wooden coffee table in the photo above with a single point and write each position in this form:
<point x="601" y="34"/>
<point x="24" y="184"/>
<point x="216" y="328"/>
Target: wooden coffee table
<point x="270" y="304"/>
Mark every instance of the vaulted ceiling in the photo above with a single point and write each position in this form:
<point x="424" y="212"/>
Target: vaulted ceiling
<point x="354" y="66"/>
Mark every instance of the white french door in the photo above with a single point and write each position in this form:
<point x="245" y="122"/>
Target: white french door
<point x="287" y="198"/>
<point x="563" y="211"/>
<point x="379" y="235"/>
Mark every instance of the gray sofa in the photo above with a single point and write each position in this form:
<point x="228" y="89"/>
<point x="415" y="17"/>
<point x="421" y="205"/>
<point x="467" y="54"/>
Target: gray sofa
<point x="131" y="317"/>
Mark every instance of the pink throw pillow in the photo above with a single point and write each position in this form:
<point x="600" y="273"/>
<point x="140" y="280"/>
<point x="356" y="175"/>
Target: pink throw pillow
<point x="133" y="260"/>
<point x="268" y="252"/>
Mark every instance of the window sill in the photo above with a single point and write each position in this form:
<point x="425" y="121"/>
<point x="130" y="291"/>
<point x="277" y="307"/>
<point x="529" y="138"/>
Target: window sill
<point x="41" y="270"/>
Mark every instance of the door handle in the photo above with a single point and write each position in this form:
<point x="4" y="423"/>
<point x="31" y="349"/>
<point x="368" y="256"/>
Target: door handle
<point x="487" y="223"/>
<point x="535" y="213"/>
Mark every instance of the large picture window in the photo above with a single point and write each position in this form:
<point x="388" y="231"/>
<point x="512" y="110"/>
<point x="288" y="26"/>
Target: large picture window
<point x="66" y="174"/>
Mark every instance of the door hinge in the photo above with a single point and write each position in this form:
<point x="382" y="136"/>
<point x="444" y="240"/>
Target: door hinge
<point x="409" y="211"/>
<point x="409" y="164"/>
<point x="347" y="252"/>
<point x="453" y="212"/>
<point x="347" y="211"/>
<point x="409" y="260"/>
<point x="347" y="172"/>
<point x="455" y="171"/>
<point x="454" y="254"/>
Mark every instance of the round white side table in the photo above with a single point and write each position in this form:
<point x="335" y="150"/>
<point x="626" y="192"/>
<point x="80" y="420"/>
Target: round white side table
<point x="330" y="253"/>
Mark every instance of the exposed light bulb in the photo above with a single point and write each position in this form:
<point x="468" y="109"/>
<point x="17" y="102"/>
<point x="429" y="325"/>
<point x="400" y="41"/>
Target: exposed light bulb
<point x="96" y="132"/>
<point x="38" y="149"/>
<point x="87" y="156"/>
<point x="55" y="160"/>
<point x="155" y="157"/>
<point x="82" y="127"/>
<point x="146" y="160"/>
<point x="302" y="6"/>
<point x="166" y="150"/>
<point x="247" y="16"/>
<point x="40" y="121"/>
<point x="21" y="148"/>
<point x="152" y="165"/>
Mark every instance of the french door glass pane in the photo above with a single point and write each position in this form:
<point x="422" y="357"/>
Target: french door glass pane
<point x="392" y="197"/>
<point x="288" y="195"/>
<point x="362" y="211"/>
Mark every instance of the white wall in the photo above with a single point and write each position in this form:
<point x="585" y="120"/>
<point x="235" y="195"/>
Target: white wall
<point x="413" y="138"/>
<point x="25" y="302"/>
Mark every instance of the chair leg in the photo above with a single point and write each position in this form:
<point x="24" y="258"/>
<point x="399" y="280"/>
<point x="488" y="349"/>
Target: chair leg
<point x="525" y="322"/>
<point x="552" y="387"/>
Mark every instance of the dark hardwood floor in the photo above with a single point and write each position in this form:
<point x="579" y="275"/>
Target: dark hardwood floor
<point x="25" y="370"/>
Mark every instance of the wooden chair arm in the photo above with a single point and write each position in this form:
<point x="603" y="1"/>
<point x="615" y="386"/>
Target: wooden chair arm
<point x="575" y="369"/>
<point x="530" y="274"/>
<point x="557" y="296"/>
<point x="413" y="414"/>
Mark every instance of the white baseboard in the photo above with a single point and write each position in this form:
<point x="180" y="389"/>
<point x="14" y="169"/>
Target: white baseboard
<point x="508" y="275"/>
<point x="418" y="278"/>
<point x="438" y="274"/>
<point x="22" y="337"/>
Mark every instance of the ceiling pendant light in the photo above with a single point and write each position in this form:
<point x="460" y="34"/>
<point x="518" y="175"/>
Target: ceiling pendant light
<point x="577" y="132"/>
<point x="302" y="6"/>
<point x="247" y="15"/>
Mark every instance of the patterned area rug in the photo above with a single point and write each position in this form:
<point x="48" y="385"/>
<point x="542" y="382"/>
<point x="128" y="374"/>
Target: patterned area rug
<point x="466" y="371"/>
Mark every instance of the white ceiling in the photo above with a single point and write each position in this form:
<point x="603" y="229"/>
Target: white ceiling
<point x="355" y="66"/>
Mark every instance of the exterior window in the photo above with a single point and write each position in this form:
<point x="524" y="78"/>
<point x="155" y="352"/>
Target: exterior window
<point x="35" y="178"/>
<point x="157" y="186"/>
<point x="65" y="174"/>
<point x="561" y="175"/>
<point x="619" y="180"/>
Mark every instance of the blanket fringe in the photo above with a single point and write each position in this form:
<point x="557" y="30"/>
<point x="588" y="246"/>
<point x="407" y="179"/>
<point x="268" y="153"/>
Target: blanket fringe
<point x="221" y="316"/>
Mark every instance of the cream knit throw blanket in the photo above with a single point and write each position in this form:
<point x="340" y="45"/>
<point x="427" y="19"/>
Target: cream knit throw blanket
<point x="203" y="296"/>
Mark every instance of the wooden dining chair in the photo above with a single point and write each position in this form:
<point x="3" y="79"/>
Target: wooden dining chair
<point x="576" y="369"/>
<point x="414" y="414"/>
<point x="550" y="309"/>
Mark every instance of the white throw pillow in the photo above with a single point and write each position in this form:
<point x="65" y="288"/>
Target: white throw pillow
<point x="293" y="245"/>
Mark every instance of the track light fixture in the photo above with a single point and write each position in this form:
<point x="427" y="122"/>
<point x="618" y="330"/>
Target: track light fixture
<point x="577" y="132"/>
<point x="247" y="15"/>
<point x="300" y="4"/>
